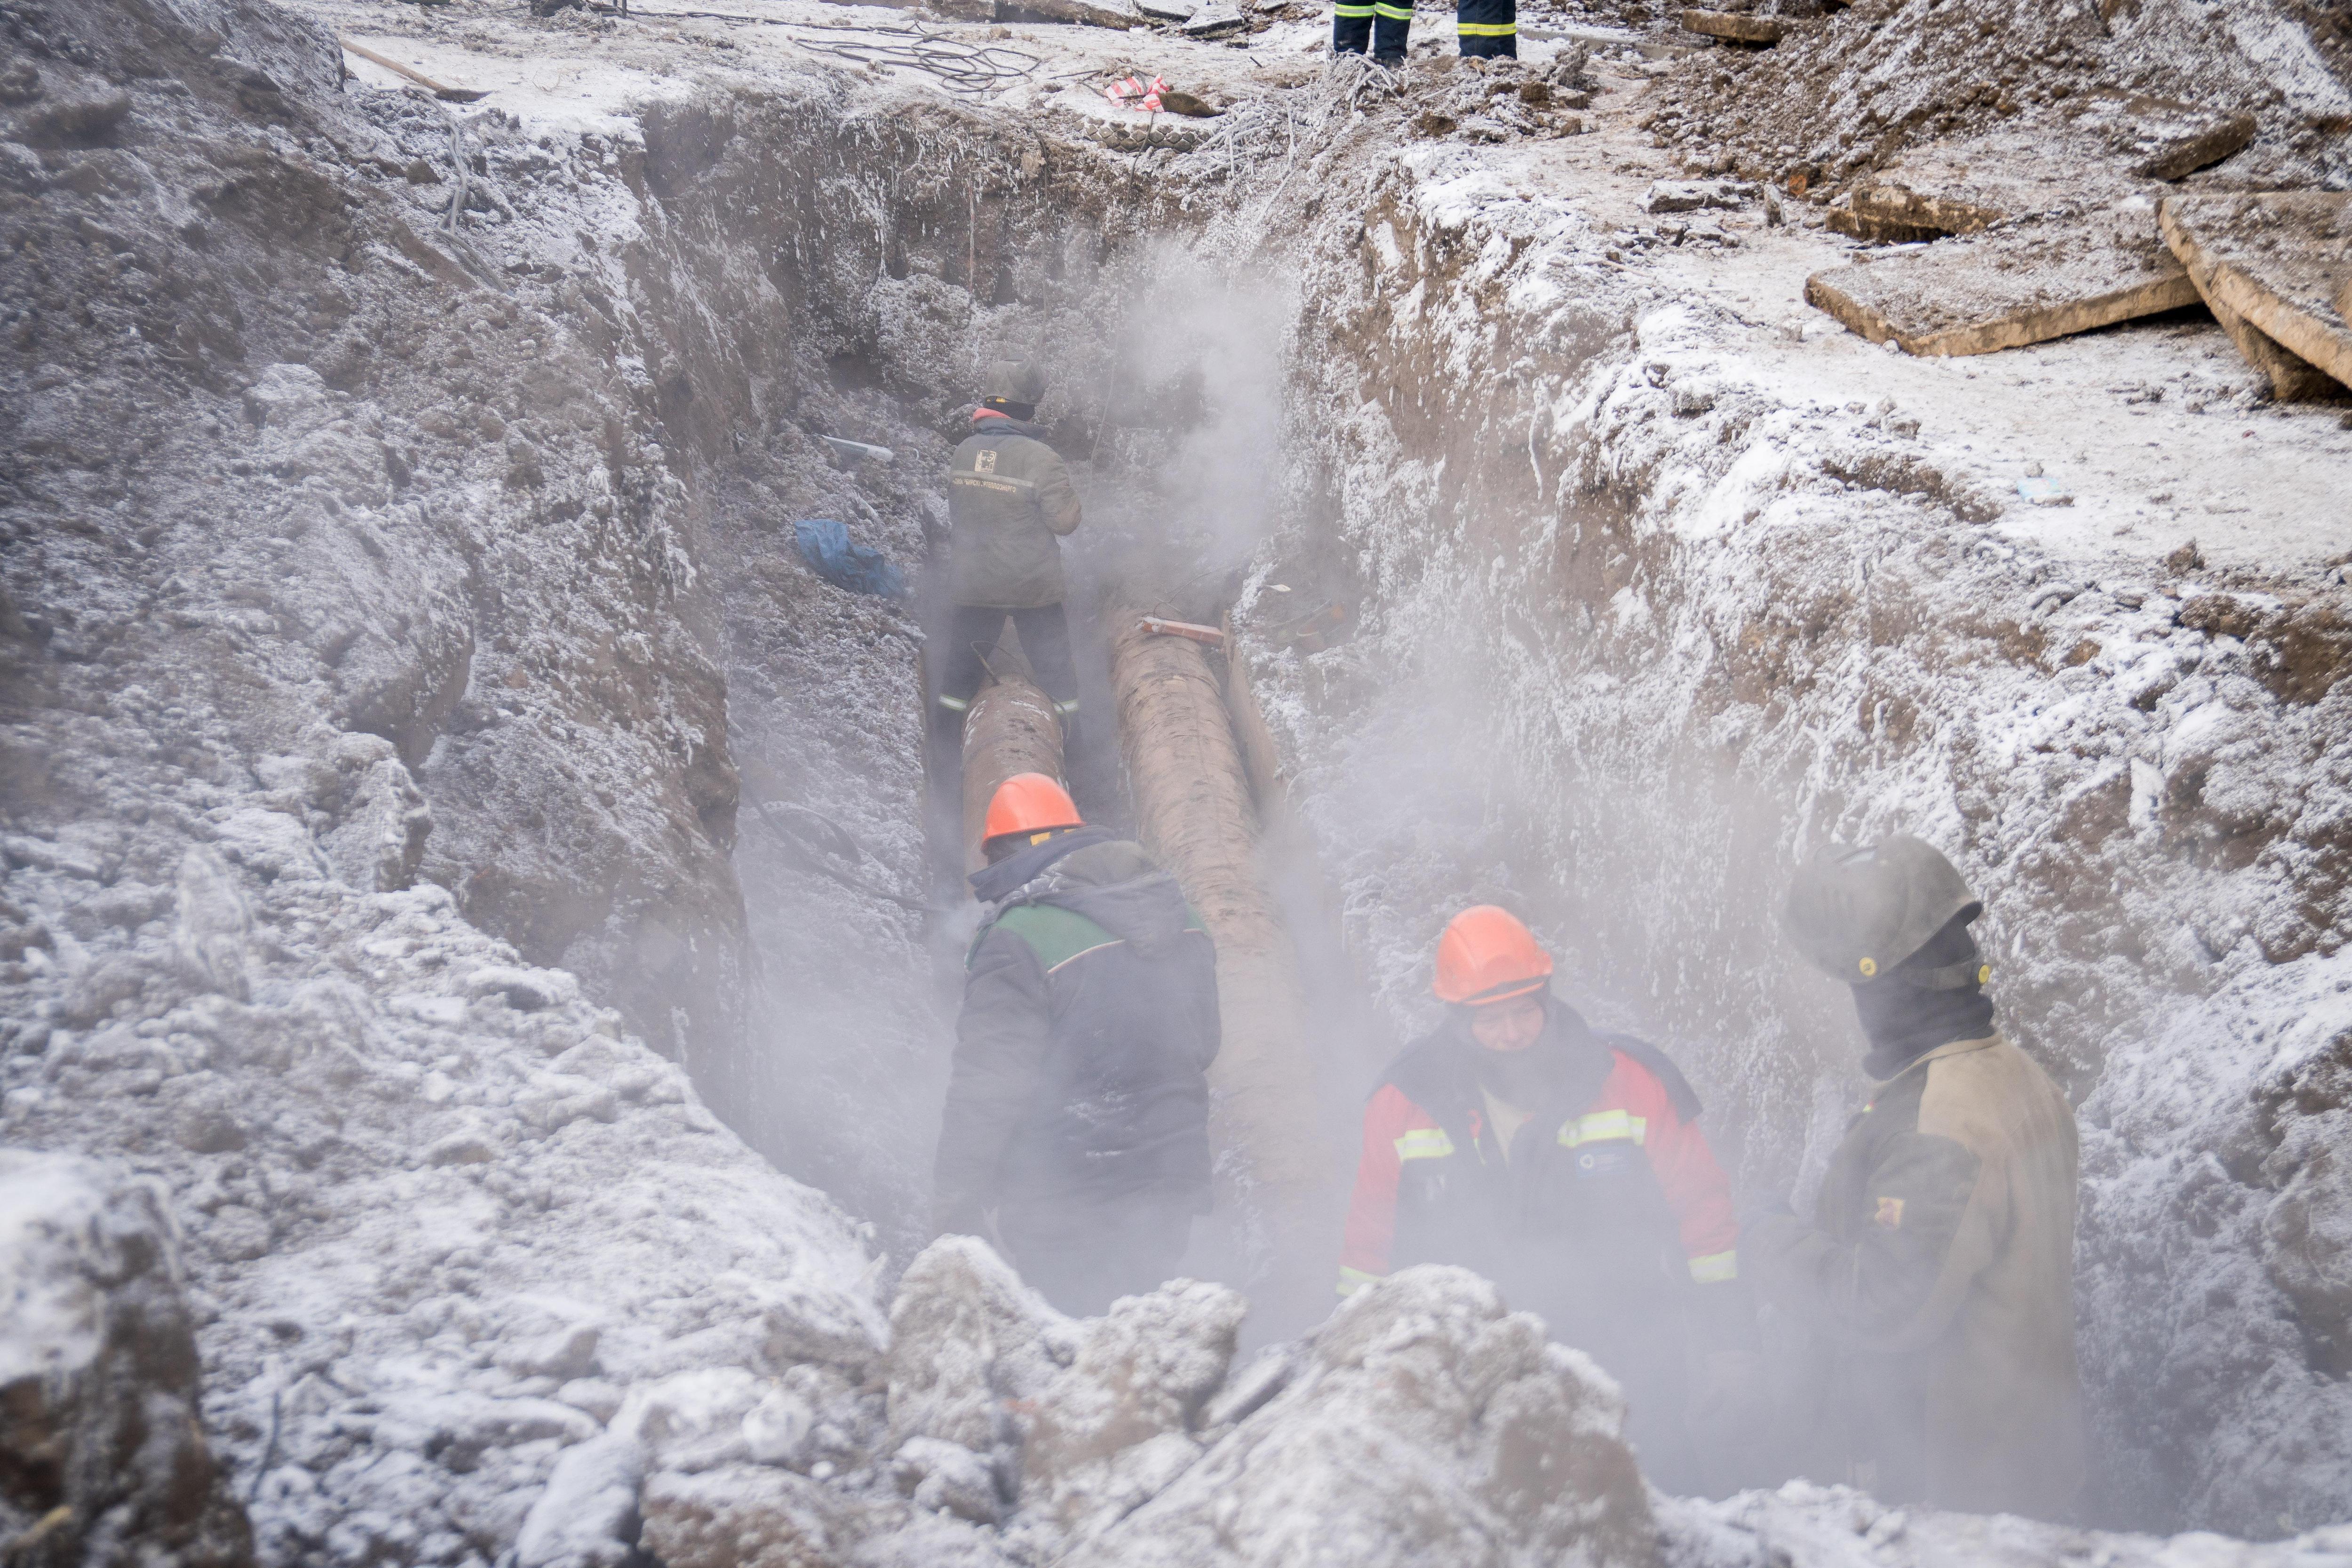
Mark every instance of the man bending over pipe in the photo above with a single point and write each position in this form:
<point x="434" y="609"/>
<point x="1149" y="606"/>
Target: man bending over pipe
<point x="1936" y="1278"/>
<point x="1079" y="1107"/>
<point x="1009" y="502"/>
<point x="1567" y="1166"/>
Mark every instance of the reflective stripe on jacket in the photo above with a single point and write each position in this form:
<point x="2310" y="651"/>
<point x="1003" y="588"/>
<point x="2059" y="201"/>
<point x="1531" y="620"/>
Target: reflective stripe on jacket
<point x="1600" y="1203"/>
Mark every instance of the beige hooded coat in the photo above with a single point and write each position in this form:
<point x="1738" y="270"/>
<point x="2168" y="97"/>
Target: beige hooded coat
<point x="1940" y="1275"/>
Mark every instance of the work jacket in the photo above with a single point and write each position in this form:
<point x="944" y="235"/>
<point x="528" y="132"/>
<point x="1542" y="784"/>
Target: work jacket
<point x="1607" y="1215"/>
<point x="1941" y="1269"/>
<point x="1009" y="499"/>
<point x="1090" y="1021"/>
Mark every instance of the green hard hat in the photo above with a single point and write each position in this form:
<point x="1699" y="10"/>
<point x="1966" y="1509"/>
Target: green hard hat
<point x="1014" y="380"/>
<point x="1859" y="912"/>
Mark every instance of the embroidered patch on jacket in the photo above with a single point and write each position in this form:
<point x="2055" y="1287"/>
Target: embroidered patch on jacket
<point x="985" y="460"/>
<point x="1890" y="1214"/>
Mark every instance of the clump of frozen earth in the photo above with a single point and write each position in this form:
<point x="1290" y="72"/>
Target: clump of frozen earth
<point x="101" y="1459"/>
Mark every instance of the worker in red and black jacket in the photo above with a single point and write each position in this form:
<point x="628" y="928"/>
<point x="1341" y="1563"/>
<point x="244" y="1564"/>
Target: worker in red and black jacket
<point x="1567" y="1166"/>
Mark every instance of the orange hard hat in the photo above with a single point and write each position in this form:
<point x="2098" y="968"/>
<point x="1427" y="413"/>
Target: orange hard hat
<point x="1029" y="803"/>
<point x="1487" y="955"/>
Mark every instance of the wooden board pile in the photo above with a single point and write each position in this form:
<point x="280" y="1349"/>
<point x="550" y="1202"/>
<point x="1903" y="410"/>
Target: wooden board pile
<point x="2039" y="234"/>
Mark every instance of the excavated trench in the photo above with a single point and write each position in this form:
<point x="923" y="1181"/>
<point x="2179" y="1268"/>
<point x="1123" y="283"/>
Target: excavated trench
<point x="1568" y="678"/>
<point x="1519" y="612"/>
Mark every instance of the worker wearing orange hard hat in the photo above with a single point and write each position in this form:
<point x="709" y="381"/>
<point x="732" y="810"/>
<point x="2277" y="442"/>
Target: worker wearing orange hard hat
<point x="1076" y="1130"/>
<point x="1567" y="1165"/>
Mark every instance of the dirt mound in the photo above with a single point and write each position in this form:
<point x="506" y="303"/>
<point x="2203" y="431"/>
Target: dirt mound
<point x="1842" y="94"/>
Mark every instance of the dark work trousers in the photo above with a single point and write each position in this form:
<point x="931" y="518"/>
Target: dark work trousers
<point x="1083" y="1255"/>
<point x="1488" y="28"/>
<point x="1044" y="637"/>
<point x="1382" y="26"/>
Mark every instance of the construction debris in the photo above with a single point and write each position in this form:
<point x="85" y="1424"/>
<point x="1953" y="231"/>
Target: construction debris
<point x="2276" y="271"/>
<point x="2022" y="283"/>
<point x="2164" y="138"/>
<point x="850" y="451"/>
<point x="1734" y="27"/>
<point x="448" y="94"/>
<point x="1690" y="195"/>
<point x="1160" y="627"/>
<point x="1214" y="20"/>
<point x="1118" y="13"/>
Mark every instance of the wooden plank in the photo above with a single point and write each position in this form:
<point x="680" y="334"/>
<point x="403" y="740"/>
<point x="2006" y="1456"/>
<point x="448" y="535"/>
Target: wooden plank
<point x="2277" y="264"/>
<point x="2022" y="284"/>
<point x="1734" y="26"/>
<point x="451" y="94"/>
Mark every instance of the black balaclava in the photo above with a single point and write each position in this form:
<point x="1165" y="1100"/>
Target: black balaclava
<point x="1021" y="413"/>
<point x="1905" y="1021"/>
<point x="1531" y="1078"/>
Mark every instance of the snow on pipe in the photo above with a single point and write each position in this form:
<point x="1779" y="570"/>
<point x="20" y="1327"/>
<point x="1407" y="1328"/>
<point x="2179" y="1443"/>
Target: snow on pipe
<point x="1193" y="807"/>
<point x="1011" y="729"/>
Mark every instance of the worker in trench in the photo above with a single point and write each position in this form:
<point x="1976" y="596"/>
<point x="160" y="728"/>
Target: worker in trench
<point x="1931" y="1296"/>
<point x="1077" y="1110"/>
<point x="1010" y="502"/>
<point x="1567" y="1165"/>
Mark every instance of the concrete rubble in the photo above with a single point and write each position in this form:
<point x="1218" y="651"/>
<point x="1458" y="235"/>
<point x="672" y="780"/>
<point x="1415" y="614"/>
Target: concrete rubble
<point x="2275" y="271"/>
<point x="2023" y="282"/>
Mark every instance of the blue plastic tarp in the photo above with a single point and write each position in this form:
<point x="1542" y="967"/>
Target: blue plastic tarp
<point x="860" y="568"/>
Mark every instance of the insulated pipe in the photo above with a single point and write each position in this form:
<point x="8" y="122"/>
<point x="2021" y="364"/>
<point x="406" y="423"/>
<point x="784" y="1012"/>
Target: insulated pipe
<point x="1012" y="728"/>
<point x="1276" y="1194"/>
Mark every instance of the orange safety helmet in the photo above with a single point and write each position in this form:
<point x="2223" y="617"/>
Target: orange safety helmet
<point x="1029" y="803"/>
<point x="1487" y="955"/>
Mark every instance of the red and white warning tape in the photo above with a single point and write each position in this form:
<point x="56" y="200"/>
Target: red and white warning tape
<point x="1134" y="92"/>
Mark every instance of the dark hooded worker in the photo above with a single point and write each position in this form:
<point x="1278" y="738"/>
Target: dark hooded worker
<point x="1010" y="502"/>
<point x="1566" y="1165"/>
<point x="1938" y="1272"/>
<point x="1077" y="1110"/>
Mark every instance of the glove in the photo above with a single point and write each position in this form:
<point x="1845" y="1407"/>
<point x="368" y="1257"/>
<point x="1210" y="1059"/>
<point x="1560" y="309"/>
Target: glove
<point x="1729" y="1394"/>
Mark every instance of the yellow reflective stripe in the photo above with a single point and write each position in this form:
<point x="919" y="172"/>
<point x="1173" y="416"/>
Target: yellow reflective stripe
<point x="1424" y="1144"/>
<point x="1602" y="1126"/>
<point x="1716" y="1267"/>
<point x="1486" y="29"/>
<point x="1395" y="13"/>
<point x="1351" y="11"/>
<point x="1354" y="1279"/>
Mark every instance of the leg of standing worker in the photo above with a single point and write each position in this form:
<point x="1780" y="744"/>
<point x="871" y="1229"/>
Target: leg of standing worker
<point x="1392" y="21"/>
<point x="1046" y="638"/>
<point x="1082" y="1254"/>
<point x="1489" y="27"/>
<point x="972" y="631"/>
<point x="1352" y="27"/>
